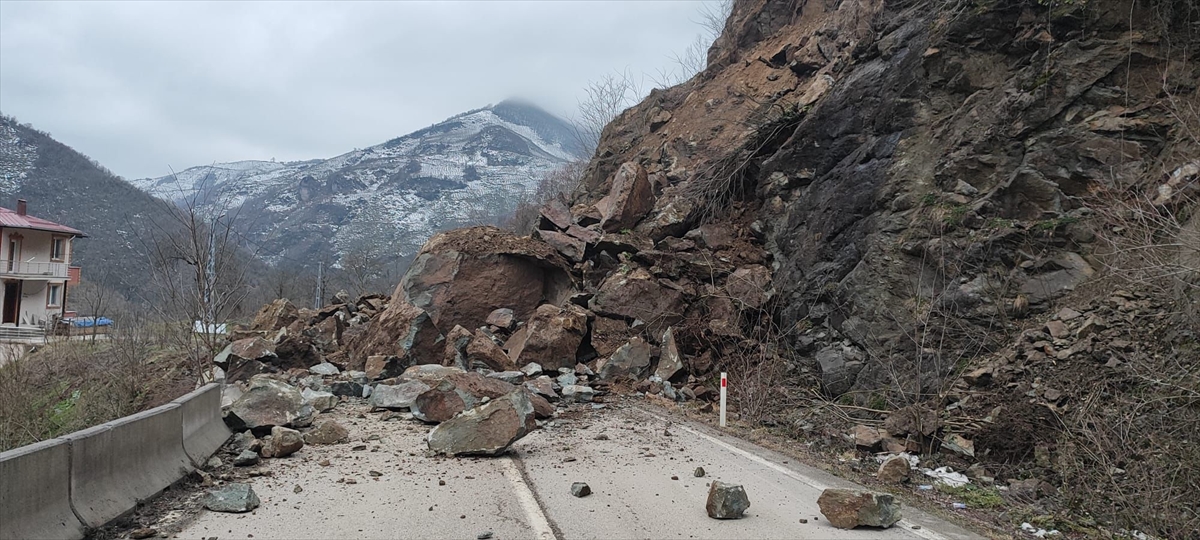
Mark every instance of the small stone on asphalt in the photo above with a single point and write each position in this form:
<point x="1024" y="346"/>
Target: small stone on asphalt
<point x="580" y="489"/>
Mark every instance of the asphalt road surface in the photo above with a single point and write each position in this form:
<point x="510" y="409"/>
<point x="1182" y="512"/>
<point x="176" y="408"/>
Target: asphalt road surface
<point x="642" y="481"/>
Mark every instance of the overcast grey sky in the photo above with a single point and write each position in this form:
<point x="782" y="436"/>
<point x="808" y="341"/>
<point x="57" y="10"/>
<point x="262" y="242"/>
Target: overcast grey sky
<point x="141" y="86"/>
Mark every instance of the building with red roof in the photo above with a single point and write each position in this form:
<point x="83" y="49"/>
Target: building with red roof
<point x="35" y="269"/>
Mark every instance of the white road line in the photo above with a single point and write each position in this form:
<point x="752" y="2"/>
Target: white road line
<point x="533" y="511"/>
<point x="922" y="532"/>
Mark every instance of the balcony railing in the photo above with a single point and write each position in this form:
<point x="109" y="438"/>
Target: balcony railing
<point x="30" y="269"/>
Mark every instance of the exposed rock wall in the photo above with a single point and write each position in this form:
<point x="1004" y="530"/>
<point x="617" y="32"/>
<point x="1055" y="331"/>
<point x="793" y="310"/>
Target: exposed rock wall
<point x="920" y="176"/>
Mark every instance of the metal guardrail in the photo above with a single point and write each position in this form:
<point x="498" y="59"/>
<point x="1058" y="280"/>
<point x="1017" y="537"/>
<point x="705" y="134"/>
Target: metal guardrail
<point x="25" y="268"/>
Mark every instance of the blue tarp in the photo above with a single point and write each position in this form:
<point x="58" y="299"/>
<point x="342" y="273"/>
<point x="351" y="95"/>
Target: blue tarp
<point x="88" y="322"/>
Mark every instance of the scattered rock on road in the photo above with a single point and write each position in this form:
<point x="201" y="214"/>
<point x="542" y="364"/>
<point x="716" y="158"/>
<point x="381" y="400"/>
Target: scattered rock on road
<point x="848" y="508"/>
<point x="485" y="430"/>
<point x="246" y="458"/>
<point x="580" y="489"/>
<point x="144" y="532"/>
<point x="321" y="401"/>
<point x="327" y="432"/>
<point x="234" y="498"/>
<point x="726" y="501"/>
<point x="578" y="393"/>
<point x="699" y="472"/>
<point x="283" y="442"/>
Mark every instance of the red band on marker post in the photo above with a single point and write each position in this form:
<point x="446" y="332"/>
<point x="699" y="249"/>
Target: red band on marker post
<point x="724" y="382"/>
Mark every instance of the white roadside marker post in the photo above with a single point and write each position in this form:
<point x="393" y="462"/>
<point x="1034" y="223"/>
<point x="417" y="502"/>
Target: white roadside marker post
<point x="724" y="381"/>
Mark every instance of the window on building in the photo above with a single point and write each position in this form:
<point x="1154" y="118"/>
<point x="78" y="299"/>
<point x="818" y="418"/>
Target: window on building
<point x="54" y="295"/>
<point x="58" y="249"/>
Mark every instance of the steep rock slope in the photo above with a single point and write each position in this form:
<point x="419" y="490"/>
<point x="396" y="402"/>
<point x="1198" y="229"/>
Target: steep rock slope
<point x="920" y="176"/>
<point x="471" y="167"/>
<point x="67" y="187"/>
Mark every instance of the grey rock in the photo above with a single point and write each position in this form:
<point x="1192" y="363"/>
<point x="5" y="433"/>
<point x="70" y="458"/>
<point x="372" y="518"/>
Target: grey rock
<point x="325" y="368"/>
<point x="501" y="318"/>
<point x="726" y="501"/>
<point x="400" y="396"/>
<point x="567" y="379"/>
<point x="578" y="393"/>
<point x="699" y="472"/>
<point x="630" y="360"/>
<point x="532" y="369"/>
<point x="670" y="363"/>
<point x="268" y="403"/>
<point x="246" y="458"/>
<point x="321" y="401"/>
<point x="580" y="489"/>
<point x="346" y="388"/>
<point x="510" y="377"/>
<point x="234" y="498"/>
<point x="839" y="367"/>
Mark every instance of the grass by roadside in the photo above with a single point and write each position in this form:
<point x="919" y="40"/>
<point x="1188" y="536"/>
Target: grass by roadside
<point x="66" y="386"/>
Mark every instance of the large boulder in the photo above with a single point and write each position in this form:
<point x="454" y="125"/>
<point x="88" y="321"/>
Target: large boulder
<point x="404" y="331"/>
<point x="246" y="358"/>
<point x="327" y="432"/>
<point x="848" y="508"/>
<point x="629" y="199"/>
<point x="631" y="360"/>
<point x="386" y="366"/>
<point x="271" y="317"/>
<point x="639" y="295"/>
<point x="482" y="350"/>
<point x="400" y="396"/>
<point x="268" y="403"/>
<point x="551" y="338"/>
<point x="487" y="430"/>
<point x="456" y="393"/>
<point x="461" y="276"/>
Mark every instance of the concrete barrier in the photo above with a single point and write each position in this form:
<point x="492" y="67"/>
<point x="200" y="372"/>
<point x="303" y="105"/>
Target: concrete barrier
<point x="115" y="465"/>
<point x="203" y="429"/>
<point x="35" y="484"/>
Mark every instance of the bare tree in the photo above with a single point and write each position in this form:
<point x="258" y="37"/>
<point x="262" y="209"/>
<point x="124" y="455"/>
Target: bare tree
<point x="604" y="100"/>
<point x="198" y="273"/>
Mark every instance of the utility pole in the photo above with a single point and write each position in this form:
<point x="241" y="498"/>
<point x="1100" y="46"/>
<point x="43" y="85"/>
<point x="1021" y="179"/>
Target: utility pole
<point x="320" y="294"/>
<point x="210" y="278"/>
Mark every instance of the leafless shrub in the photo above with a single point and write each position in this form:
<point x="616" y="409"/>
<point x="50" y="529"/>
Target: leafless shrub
<point x="603" y="101"/>
<point x="557" y="183"/>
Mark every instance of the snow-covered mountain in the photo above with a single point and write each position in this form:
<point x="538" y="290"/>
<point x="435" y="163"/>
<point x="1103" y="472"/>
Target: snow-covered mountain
<point x="388" y="198"/>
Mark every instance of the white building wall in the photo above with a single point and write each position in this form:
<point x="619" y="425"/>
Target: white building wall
<point x="35" y="248"/>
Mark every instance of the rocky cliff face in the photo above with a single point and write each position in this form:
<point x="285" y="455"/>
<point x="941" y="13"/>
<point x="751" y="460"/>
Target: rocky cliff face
<point x="920" y="177"/>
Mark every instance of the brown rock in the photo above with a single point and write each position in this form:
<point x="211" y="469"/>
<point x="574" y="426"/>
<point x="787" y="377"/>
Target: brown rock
<point x="588" y="236"/>
<point x="750" y="286"/>
<point x="485" y="430"/>
<point x="454" y="351"/>
<point x="327" y="432"/>
<point x="439" y="404"/>
<point x="282" y="443"/>
<point x="712" y="236"/>
<point x="482" y="350"/>
<point x="555" y="213"/>
<point x="542" y="409"/>
<point x="384" y="366"/>
<point x="638" y="295"/>
<point x="1057" y="329"/>
<point x="867" y="437"/>
<point x="461" y="276"/>
<point x="608" y="335"/>
<point x="894" y="470"/>
<point x="271" y="317"/>
<point x="847" y="509"/>
<point x="630" y="198"/>
<point x="570" y="247"/>
<point x="551" y="338"/>
<point x="501" y="318"/>
<point x="243" y="350"/>
<point x="402" y="330"/>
